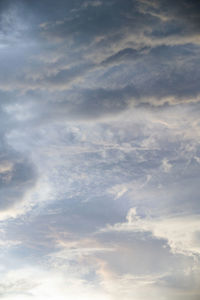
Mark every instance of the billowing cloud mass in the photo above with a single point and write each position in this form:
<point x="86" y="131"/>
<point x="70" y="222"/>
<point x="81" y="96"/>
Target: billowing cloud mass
<point x="99" y="150"/>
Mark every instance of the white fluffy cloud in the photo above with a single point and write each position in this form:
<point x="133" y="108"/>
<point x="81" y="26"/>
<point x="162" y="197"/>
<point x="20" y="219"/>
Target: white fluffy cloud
<point x="180" y="231"/>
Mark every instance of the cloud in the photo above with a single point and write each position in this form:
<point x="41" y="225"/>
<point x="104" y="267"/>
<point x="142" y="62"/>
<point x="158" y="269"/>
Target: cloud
<point x="99" y="150"/>
<point x="17" y="174"/>
<point x="34" y="283"/>
<point x="156" y="74"/>
<point x="181" y="232"/>
<point x="166" y="165"/>
<point x="17" y="178"/>
<point x="127" y="54"/>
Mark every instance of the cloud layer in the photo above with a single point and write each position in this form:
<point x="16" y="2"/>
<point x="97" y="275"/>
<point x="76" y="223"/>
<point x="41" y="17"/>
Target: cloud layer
<point x="99" y="150"/>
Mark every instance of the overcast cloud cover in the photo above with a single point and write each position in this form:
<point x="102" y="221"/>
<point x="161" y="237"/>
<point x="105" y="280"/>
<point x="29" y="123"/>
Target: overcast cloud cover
<point x="99" y="150"/>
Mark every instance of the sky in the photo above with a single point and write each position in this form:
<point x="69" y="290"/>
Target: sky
<point x="99" y="150"/>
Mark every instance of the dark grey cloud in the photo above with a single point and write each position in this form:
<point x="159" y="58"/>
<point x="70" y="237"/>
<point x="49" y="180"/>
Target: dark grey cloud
<point x="16" y="178"/>
<point x="112" y="19"/>
<point x="99" y="31"/>
<point x="127" y="54"/>
<point x="180" y="18"/>
<point x="87" y="23"/>
<point x="186" y="11"/>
